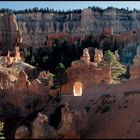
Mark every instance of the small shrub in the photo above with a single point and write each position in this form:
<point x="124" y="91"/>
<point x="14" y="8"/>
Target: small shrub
<point x="87" y="108"/>
<point x="126" y="101"/>
<point x="105" y="108"/>
<point x="125" y="106"/>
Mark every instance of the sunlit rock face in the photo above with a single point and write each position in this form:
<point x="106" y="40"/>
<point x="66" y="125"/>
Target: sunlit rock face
<point x="10" y="60"/>
<point x="117" y="55"/>
<point x="87" y="73"/>
<point x="31" y="29"/>
<point x="98" y="56"/>
<point x="77" y="89"/>
<point x="135" y="68"/>
<point x="42" y="75"/>
<point x="17" y="54"/>
<point x="22" y="81"/>
<point x="10" y="35"/>
<point x="86" y="56"/>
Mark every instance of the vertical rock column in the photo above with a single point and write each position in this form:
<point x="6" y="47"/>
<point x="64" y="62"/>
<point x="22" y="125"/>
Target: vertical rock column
<point x="8" y="31"/>
<point x="135" y="68"/>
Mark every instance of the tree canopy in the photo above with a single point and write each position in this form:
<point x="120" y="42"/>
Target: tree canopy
<point x="60" y="75"/>
<point x="110" y="59"/>
<point x="62" y="11"/>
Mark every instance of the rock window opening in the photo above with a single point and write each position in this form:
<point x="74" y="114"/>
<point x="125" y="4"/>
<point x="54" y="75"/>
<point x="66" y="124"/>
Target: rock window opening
<point x="77" y="89"/>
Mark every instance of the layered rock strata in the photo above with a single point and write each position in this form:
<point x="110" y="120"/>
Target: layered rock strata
<point x="32" y="29"/>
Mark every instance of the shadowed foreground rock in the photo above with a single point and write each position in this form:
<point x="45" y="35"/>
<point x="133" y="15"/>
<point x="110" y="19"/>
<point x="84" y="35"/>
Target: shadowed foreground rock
<point x="22" y="133"/>
<point x="41" y="128"/>
<point x="72" y="125"/>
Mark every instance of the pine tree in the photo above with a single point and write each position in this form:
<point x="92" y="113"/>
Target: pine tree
<point x="45" y="59"/>
<point x="26" y="53"/>
<point x="110" y="59"/>
<point x="60" y="76"/>
<point x="33" y="59"/>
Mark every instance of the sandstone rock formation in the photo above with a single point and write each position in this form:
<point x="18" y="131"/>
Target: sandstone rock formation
<point x="108" y="31"/>
<point x="31" y="29"/>
<point x="41" y="128"/>
<point x="120" y="104"/>
<point x="22" y="84"/>
<point x="86" y="56"/>
<point x="29" y="69"/>
<point x="135" y="68"/>
<point x="67" y="129"/>
<point x="38" y="87"/>
<point x="42" y="75"/>
<point x="9" y="31"/>
<point x="117" y="55"/>
<point x="22" y="133"/>
<point x="98" y="56"/>
<point x="71" y="124"/>
<point x="46" y="78"/>
<point x="4" y="81"/>
<point x="17" y="55"/>
<point x="10" y="60"/>
<point x="106" y="74"/>
<point x="85" y="21"/>
<point x="87" y="73"/>
<point x="22" y="81"/>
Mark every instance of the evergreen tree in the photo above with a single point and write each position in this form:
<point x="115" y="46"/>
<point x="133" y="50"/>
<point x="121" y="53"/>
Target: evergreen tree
<point x="26" y="53"/>
<point x="45" y="59"/>
<point x="60" y="76"/>
<point x="110" y="59"/>
<point x="33" y="59"/>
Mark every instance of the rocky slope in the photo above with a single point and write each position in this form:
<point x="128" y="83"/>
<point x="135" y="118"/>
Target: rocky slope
<point x="104" y="111"/>
<point x="100" y="117"/>
<point x="110" y="117"/>
<point x="32" y="28"/>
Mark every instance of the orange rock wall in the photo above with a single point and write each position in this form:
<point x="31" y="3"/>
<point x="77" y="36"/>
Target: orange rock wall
<point x="89" y="76"/>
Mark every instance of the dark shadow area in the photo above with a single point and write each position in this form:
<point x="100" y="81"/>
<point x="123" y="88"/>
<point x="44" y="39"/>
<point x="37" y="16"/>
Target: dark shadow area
<point x="55" y="118"/>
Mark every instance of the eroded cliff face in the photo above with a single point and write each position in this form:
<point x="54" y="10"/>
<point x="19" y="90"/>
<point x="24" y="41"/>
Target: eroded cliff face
<point x="36" y="26"/>
<point x="9" y="31"/>
<point x="31" y="29"/>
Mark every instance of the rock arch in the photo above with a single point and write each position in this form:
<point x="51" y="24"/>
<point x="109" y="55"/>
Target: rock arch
<point x="77" y="88"/>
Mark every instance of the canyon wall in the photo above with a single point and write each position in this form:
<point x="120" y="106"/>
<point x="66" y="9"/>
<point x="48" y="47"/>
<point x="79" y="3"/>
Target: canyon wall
<point x="9" y="31"/>
<point x="31" y="29"/>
